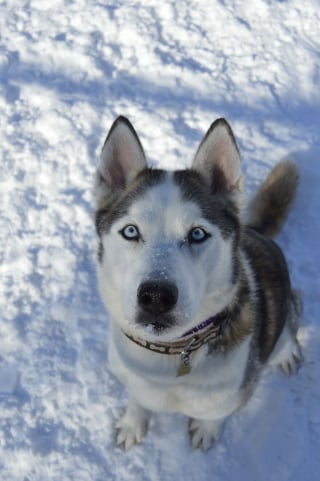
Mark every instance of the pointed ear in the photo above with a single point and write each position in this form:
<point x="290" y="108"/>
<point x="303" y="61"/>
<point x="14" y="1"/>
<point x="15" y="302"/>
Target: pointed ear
<point x="218" y="160"/>
<point x="122" y="157"/>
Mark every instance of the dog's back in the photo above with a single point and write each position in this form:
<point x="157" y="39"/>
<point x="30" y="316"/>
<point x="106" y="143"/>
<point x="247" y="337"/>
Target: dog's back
<point x="276" y="304"/>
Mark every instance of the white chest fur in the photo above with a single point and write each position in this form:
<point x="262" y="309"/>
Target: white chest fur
<point x="211" y="389"/>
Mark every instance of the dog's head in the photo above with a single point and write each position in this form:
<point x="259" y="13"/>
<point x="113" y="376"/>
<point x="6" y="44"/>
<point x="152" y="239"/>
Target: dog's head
<point x="168" y="241"/>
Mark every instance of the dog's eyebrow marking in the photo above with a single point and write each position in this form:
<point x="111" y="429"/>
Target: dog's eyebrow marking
<point x="118" y="206"/>
<point x="217" y="209"/>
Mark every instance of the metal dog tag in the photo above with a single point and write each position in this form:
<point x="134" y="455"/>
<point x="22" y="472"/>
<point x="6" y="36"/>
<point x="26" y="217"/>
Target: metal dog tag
<point x="185" y="364"/>
<point x="183" y="369"/>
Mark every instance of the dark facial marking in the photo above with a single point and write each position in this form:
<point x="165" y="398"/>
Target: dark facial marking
<point x="118" y="207"/>
<point x="216" y="207"/>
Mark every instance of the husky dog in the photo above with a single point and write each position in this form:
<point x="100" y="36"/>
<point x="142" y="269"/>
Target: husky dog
<point x="199" y="298"/>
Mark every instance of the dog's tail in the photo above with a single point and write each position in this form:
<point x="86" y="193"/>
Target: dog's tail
<point x="269" y="207"/>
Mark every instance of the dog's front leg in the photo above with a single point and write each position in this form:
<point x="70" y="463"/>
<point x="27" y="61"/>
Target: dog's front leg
<point x="204" y="433"/>
<point x="133" y="425"/>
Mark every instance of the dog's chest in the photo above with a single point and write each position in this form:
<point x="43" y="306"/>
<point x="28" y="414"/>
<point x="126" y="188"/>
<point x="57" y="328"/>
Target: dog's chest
<point x="213" y="385"/>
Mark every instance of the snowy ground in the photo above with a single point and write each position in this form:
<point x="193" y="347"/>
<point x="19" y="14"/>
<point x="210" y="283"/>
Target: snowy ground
<point x="67" y="68"/>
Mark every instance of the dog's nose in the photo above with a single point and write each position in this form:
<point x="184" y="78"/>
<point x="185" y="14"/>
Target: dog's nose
<point x="157" y="297"/>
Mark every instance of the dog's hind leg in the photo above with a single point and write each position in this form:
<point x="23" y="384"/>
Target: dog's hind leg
<point x="204" y="433"/>
<point x="132" y="426"/>
<point x="293" y="363"/>
<point x="287" y="353"/>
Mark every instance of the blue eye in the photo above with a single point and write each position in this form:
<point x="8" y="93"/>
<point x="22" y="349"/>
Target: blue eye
<point x="130" y="232"/>
<point x="197" y="235"/>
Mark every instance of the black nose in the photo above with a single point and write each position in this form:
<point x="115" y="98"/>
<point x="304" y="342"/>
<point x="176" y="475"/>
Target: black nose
<point x="157" y="297"/>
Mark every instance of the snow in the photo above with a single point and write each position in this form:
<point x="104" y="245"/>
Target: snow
<point x="67" y="69"/>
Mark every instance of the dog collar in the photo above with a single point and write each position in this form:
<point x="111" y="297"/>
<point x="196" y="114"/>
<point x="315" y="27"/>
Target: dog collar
<point x="189" y="342"/>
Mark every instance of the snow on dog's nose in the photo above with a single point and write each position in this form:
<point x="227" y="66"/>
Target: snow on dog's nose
<point x="157" y="297"/>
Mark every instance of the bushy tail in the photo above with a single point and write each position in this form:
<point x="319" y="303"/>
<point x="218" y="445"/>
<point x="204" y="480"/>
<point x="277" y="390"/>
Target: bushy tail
<point x="269" y="207"/>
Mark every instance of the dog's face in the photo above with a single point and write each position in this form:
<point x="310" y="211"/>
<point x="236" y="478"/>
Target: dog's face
<point x="168" y="240"/>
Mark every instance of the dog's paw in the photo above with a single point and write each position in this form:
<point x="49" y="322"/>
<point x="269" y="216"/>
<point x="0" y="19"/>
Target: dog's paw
<point x="130" y="430"/>
<point x="204" y="434"/>
<point x="293" y="363"/>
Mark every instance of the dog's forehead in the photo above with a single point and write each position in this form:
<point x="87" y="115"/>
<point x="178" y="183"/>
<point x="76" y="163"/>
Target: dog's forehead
<point x="164" y="202"/>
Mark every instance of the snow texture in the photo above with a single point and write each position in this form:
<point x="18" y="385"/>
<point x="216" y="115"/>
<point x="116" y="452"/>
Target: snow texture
<point x="67" y="69"/>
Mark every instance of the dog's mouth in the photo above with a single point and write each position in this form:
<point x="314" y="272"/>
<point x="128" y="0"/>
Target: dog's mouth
<point x="156" y="324"/>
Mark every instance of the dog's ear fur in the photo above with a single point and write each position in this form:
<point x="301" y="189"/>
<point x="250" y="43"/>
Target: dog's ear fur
<point x="218" y="160"/>
<point x="122" y="157"/>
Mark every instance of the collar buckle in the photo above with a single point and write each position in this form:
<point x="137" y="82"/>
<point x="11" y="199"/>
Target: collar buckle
<point x="186" y="351"/>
